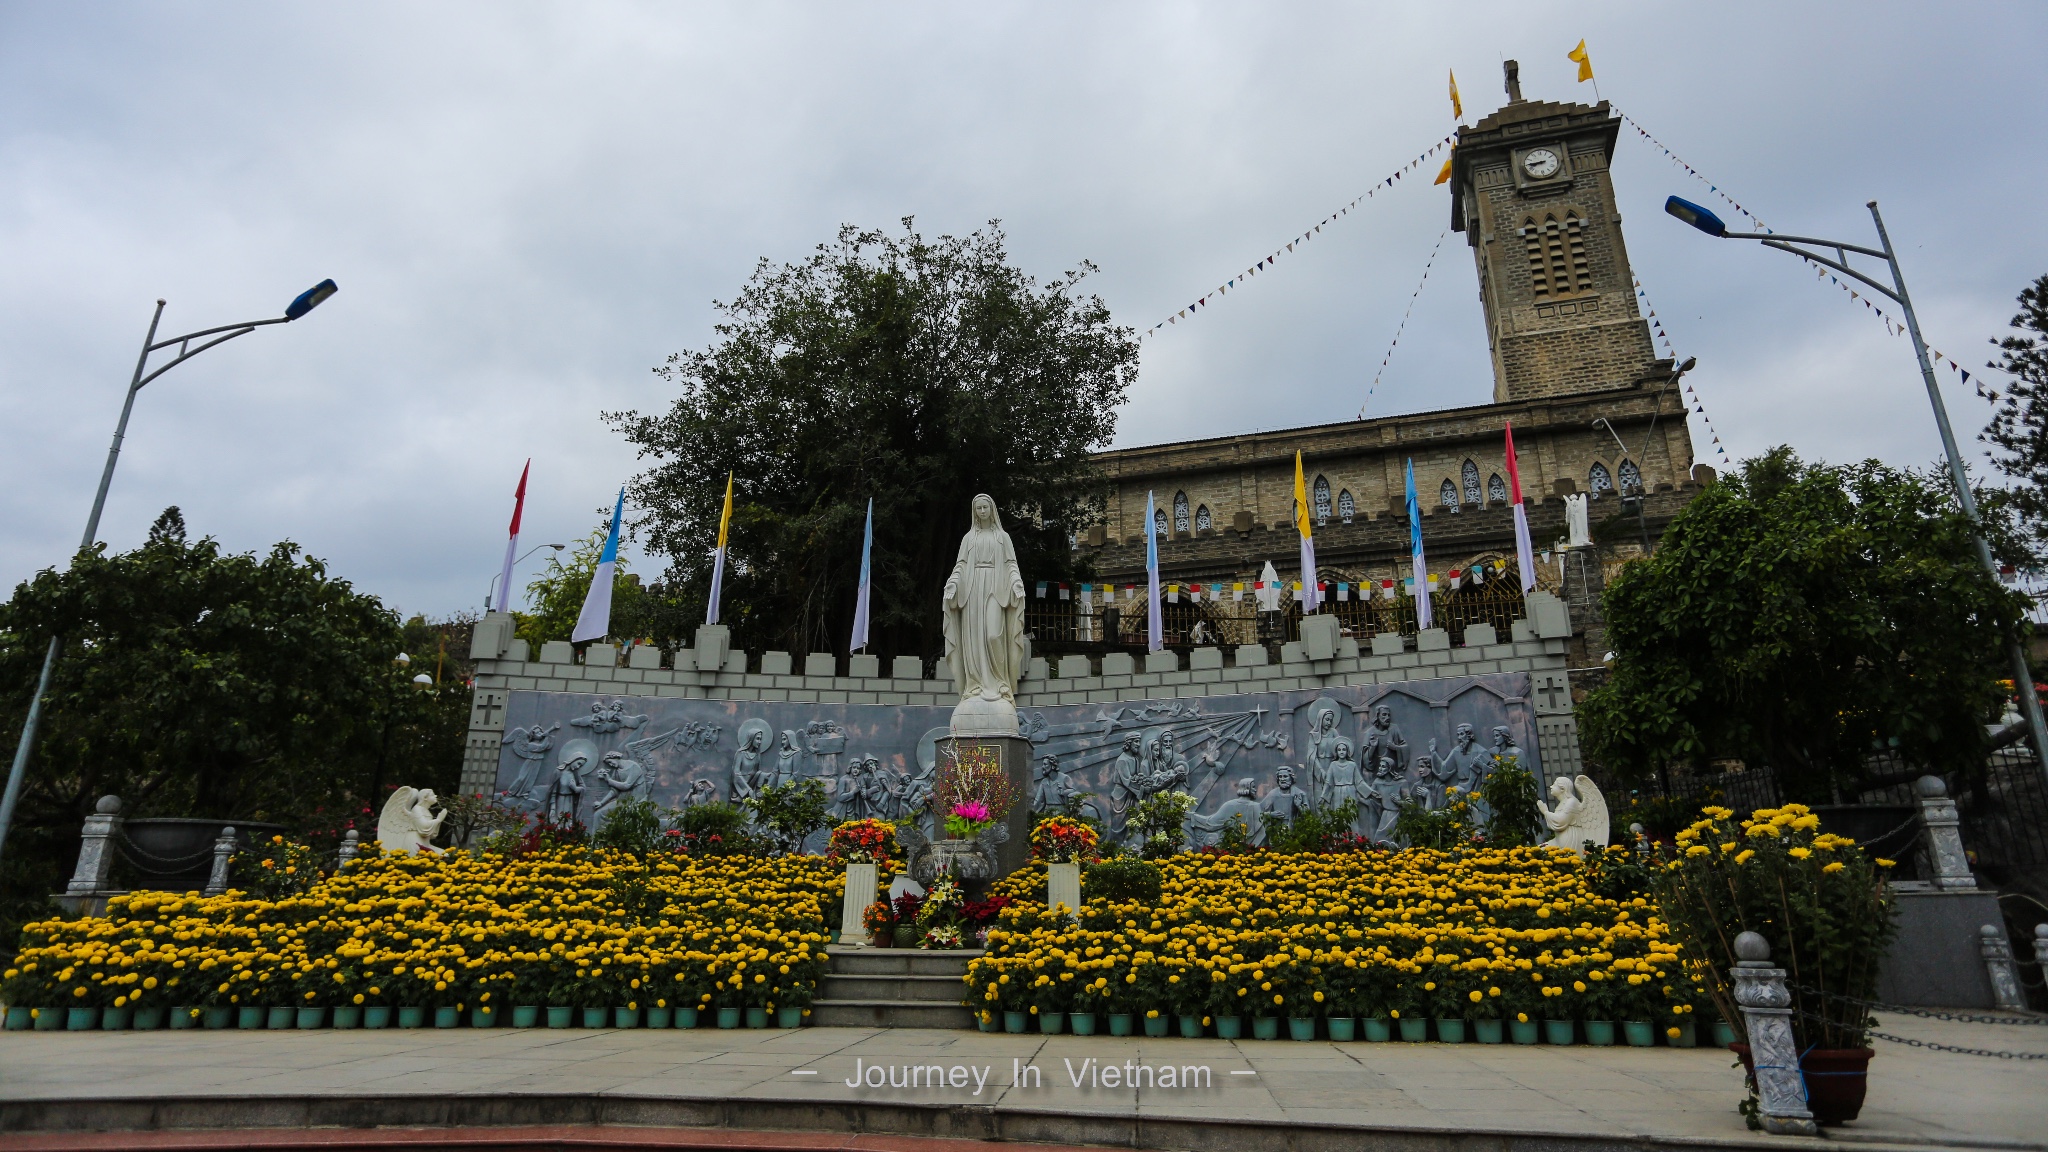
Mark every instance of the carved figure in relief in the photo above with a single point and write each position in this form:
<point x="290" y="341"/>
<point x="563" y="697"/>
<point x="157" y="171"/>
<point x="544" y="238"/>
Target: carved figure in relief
<point x="1285" y="800"/>
<point x="1124" y="782"/>
<point x="984" y="610"/>
<point x="1427" y="786"/>
<point x="565" y="792"/>
<point x="1504" y="744"/>
<point x="825" y="740"/>
<point x="409" y="823"/>
<point x="607" y="717"/>
<point x="1345" y="782"/>
<point x="701" y="792"/>
<point x="1241" y="809"/>
<point x="1383" y="738"/>
<point x="788" y="758"/>
<point x="531" y="746"/>
<point x="1383" y="796"/>
<point x="1579" y="815"/>
<point x="1322" y="744"/>
<point x="622" y="779"/>
<point x="1169" y="769"/>
<point x="747" y="773"/>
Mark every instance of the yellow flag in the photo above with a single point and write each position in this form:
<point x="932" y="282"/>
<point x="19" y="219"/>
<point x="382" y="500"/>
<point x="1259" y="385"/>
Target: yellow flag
<point x="725" y="521"/>
<point x="1457" y="106"/>
<point x="1300" y="499"/>
<point x="1446" y="173"/>
<point x="1585" y="62"/>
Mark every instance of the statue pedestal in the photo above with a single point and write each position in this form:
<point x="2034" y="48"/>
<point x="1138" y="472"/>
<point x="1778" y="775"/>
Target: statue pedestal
<point x="976" y="717"/>
<point x="1016" y="760"/>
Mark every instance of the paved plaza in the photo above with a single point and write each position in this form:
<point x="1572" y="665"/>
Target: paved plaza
<point x="1222" y="1094"/>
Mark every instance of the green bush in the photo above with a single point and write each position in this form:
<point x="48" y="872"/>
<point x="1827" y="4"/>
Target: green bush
<point x="1120" y="880"/>
<point x="629" y="825"/>
<point x="714" y="829"/>
<point x="1512" y="820"/>
<point x="791" y="812"/>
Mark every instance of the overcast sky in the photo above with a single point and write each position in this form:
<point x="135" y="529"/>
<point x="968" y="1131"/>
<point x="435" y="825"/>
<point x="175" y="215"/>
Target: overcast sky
<point x="528" y="206"/>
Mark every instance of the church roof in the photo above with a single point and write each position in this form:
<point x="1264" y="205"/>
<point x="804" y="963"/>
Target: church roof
<point x="1523" y="111"/>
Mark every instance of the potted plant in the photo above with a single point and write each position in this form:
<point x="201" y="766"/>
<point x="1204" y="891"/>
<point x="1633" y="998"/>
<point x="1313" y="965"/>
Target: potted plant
<point x="1823" y="906"/>
<point x="880" y="922"/>
<point x="1483" y="1013"/>
<point x="1063" y="844"/>
<point x="864" y="847"/>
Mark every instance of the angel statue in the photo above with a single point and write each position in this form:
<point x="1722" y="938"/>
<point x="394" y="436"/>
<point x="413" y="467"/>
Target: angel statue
<point x="1577" y="819"/>
<point x="409" y="823"/>
<point x="971" y="859"/>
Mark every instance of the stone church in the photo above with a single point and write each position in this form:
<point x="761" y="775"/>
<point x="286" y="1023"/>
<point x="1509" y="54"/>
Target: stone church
<point x="1594" y="410"/>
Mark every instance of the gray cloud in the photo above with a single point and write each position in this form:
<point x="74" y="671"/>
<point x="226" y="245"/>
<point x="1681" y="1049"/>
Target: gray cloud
<point x="529" y="206"/>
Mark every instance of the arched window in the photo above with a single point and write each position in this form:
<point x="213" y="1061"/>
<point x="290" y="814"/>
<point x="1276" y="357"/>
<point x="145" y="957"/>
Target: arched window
<point x="1202" y="521"/>
<point x="1180" y="511"/>
<point x="1346" y="507"/>
<point x="1598" y="481"/>
<point x="1159" y="522"/>
<point x="1631" y="477"/>
<point x="1496" y="489"/>
<point x="1448" y="496"/>
<point x="1470" y="475"/>
<point x="1556" y="250"/>
<point x="1322" y="499"/>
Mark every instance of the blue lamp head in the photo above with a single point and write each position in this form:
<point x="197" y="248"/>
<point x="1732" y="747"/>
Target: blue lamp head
<point x="310" y="299"/>
<point x="1696" y="216"/>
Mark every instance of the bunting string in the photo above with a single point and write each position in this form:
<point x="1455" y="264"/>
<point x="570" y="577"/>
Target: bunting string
<point x="1288" y="248"/>
<point x="1892" y="326"/>
<point x="1403" y="325"/>
<point x="1692" y="396"/>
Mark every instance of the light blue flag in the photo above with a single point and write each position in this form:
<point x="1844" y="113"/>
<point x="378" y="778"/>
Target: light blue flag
<point x="860" y="602"/>
<point x="596" y="618"/>
<point x="1155" y="634"/>
<point x="1420" y="566"/>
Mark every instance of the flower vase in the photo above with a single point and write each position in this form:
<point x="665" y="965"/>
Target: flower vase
<point x="116" y="1019"/>
<point x="1686" y="1038"/>
<point x="1415" y="1030"/>
<point x="905" y="936"/>
<point x="985" y="1020"/>
<point x="1063" y="886"/>
<point x="412" y="1017"/>
<point x="483" y="1016"/>
<point x="1229" y="1027"/>
<point x="311" y="1017"/>
<point x="83" y="1019"/>
<point x="629" y="1018"/>
<point x="789" y="1016"/>
<point x="1343" y="1029"/>
<point x="1191" y="1027"/>
<point x="286" y="1017"/>
<point x="1084" y="1023"/>
<point x="561" y="1017"/>
<point x="1015" y="1021"/>
<point x="1600" y="1033"/>
<point x="660" y="1017"/>
<point x="1449" y="1030"/>
<point x="1119" y="1023"/>
<point x="377" y="1016"/>
<point x="861" y="882"/>
<point x="1486" y="1031"/>
<point x="1524" y="1031"/>
<point x="757" y="1017"/>
<point x="1265" y="1027"/>
<point x="1157" y="1025"/>
<point x="20" y="1018"/>
<point x="1378" y="1029"/>
<point x="686" y="1018"/>
<point x="1724" y="1034"/>
<point x="595" y="1017"/>
<point x="728" y="1017"/>
<point x="1301" y="1027"/>
<point x="448" y="1017"/>
<point x="1558" y="1031"/>
<point x="250" y="1017"/>
<point x="149" y="1019"/>
<point x="49" y="1019"/>
<point x="1052" y="1023"/>
<point x="1638" y="1033"/>
<point x="187" y="1017"/>
<point x="525" y="1015"/>
<point x="348" y="1016"/>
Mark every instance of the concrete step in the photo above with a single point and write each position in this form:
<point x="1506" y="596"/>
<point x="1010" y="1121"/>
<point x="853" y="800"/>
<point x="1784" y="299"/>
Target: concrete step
<point x="900" y="961"/>
<point x="888" y="1014"/>
<point x="893" y="986"/>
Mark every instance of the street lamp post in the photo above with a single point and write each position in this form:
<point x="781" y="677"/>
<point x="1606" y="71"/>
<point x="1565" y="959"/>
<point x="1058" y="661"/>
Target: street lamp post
<point x="305" y="302"/>
<point x="493" y="590"/>
<point x="1706" y="221"/>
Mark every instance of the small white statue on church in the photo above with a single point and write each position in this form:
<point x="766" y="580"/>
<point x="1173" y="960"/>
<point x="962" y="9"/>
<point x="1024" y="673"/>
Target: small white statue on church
<point x="1577" y="531"/>
<point x="409" y="822"/>
<point x="984" y="617"/>
<point x="1577" y="819"/>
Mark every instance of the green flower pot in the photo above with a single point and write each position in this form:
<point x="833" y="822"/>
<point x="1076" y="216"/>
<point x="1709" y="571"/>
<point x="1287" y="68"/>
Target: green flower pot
<point x="1191" y="1027"/>
<point x="630" y="1018"/>
<point x="1600" y="1033"/>
<point x="1558" y="1032"/>
<point x="789" y="1017"/>
<point x="1378" y="1029"/>
<point x="1724" y="1034"/>
<point x="1301" y="1027"/>
<point x="985" y="1020"/>
<point x="1229" y="1027"/>
<point x="1415" y="1030"/>
<point x="1639" y="1033"/>
<point x="1015" y="1021"/>
<point x="219" y="1017"/>
<point x="1052" y="1023"/>
<point x="728" y="1017"/>
<point x="1265" y="1027"/>
<point x="483" y="1016"/>
<point x="757" y="1017"/>
<point x="377" y="1016"/>
<point x="1158" y="1025"/>
<point x="1524" y="1031"/>
<point x="187" y="1017"/>
<point x="525" y="1015"/>
<point x="312" y="1017"/>
<point x="1450" y="1031"/>
<point x="348" y="1016"/>
<point x="660" y="1017"/>
<point x="596" y="1017"/>
<point x="1119" y="1023"/>
<point x="1084" y="1023"/>
<point x="281" y="1018"/>
<point x="561" y="1017"/>
<point x="116" y="1019"/>
<point x="412" y="1017"/>
<point x="1343" y="1029"/>
<point x="150" y="1019"/>
<point x="1686" y="1038"/>
<point x="49" y="1019"/>
<point x="686" y="1018"/>
<point x="448" y="1017"/>
<point x="1486" y="1031"/>
<point x="81" y="1019"/>
<point x="247" y="1017"/>
<point x="20" y="1019"/>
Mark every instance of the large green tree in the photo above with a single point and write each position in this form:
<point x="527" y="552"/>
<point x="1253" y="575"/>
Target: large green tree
<point x="1797" y="615"/>
<point x="201" y="683"/>
<point x="915" y="373"/>
<point x="2018" y="433"/>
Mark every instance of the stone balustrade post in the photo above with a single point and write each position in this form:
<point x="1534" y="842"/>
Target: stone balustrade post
<point x="2041" y="946"/>
<point x="351" y="840"/>
<point x="1944" y="836"/>
<point x="1767" y="1016"/>
<point x="2001" y="968"/>
<point x="96" y="848"/>
<point x="224" y="846"/>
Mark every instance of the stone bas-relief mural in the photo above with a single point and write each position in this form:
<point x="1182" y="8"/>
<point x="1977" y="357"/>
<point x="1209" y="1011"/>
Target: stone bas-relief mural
<point x="1271" y="752"/>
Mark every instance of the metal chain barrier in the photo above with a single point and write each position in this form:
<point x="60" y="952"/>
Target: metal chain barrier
<point x="1930" y="1045"/>
<point x="1923" y="1013"/>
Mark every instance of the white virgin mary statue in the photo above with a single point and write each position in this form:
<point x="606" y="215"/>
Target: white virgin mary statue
<point x="984" y="606"/>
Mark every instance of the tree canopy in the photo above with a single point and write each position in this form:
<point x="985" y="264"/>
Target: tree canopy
<point x="887" y="367"/>
<point x="2018" y="433"/>
<point x="1797" y="615"/>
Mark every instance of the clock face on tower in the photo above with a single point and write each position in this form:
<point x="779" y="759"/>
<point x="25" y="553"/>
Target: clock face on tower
<point x="1540" y="163"/>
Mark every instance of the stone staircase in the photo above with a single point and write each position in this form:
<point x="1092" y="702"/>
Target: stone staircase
<point x="893" y="988"/>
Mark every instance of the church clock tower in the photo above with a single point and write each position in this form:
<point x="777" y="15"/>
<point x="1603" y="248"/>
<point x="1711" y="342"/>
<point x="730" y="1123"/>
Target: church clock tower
<point x="1532" y="195"/>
